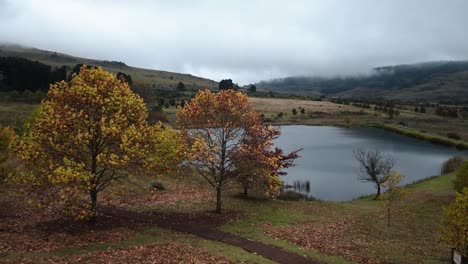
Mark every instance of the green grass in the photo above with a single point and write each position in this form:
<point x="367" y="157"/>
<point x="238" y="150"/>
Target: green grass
<point x="277" y="213"/>
<point x="437" y="184"/>
<point x="412" y="237"/>
<point x="437" y="139"/>
<point x="17" y="107"/>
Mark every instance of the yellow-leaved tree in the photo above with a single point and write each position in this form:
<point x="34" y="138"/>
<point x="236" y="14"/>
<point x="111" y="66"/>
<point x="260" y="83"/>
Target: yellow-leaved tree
<point x="7" y="136"/>
<point x="92" y="132"/>
<point x="228" y="143"/>
<point x="455" y="223"/>
<point x="394" y="192"/>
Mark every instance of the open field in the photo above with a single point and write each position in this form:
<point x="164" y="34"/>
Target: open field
<point x="426" y="126"/>
<point x="285" y="105"/>
<point x="330" y="232"/>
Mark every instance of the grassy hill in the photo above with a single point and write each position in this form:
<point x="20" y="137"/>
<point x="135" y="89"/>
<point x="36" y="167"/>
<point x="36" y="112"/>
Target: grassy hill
<point x="154" y="78"/>
<point x="445" y="81"/>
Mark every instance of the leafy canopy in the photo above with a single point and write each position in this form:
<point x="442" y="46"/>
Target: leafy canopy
<point x="90" y="133"/>
<point x="455" y="223"/>
<point x="7" y="136"/>
<point x="461" y="178"/>
<point x="228" y="141"/>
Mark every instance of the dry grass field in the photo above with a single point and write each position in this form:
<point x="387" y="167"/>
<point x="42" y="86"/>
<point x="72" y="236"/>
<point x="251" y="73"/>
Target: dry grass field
<point x="286" y="105"/>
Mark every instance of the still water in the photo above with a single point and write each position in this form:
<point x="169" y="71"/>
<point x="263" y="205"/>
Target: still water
<point x="327" y="169"/>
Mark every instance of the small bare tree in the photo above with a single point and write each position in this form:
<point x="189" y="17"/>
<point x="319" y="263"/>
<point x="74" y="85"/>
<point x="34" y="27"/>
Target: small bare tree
<point x="374" y="166"/>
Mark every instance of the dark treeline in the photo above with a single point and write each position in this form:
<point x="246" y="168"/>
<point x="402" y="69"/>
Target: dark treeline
<point x="19" y="74"/>
<point x="28" y="81"/>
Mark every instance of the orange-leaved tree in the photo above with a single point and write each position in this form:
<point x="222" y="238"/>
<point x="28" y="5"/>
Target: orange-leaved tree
<point x="228" y="141"/>
<point x="253" y="163"/>
<point x="92" y="132"/>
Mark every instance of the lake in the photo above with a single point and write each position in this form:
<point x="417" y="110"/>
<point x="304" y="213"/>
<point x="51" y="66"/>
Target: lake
<point x="327" y="161"/>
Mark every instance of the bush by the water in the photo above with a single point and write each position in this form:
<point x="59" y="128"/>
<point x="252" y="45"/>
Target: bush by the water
<point x="453" y="135"/>
<point x="461" y="179"/>
<point x="294" y="196"/>
<point x="451" y="164"/>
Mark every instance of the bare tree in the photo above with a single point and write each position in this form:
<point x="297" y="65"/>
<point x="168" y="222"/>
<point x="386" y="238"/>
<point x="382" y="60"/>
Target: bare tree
<point x="374" y="166"/>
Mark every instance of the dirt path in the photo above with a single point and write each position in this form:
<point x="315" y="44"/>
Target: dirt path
<point x="271" y="252"/>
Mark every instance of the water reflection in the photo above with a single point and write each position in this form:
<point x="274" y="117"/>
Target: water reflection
<point x="298" y="186"/>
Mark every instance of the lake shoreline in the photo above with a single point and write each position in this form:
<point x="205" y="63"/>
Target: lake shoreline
<point x="423" y="136"/>
<point x="327" y="170"/>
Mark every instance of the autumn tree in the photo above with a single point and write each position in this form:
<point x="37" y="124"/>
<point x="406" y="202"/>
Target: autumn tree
<point x="261" y="175"/>
<point x="393" y="193"/>
<point x="227" y="141"/>
<point x="461" y="178"/>
<point x="374" y="166"/>
<point x="455" y="223"/>
<point x="7" y="135"/>
<point x="126" y="77"/>
<point x="90" y="133"/>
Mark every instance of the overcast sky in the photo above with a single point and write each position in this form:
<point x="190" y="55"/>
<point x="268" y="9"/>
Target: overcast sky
<point x="247" y="41"/>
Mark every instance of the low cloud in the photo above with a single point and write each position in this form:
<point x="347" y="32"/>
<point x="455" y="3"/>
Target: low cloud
<point x="247" y="41"/>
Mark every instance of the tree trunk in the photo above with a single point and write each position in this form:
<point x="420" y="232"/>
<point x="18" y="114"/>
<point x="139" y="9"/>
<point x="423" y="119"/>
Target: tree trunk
<point x="92" y="209"/>
<point x="218" y="200"/>
<point x="378" y="191"/>
<point x="246" y="190"/>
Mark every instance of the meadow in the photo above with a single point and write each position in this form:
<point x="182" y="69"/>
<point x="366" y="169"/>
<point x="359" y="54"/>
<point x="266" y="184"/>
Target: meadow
<point x="330" y="232"/>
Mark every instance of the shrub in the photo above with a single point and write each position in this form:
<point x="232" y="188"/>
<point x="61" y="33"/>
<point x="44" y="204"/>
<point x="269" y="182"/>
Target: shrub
<point x="461" y="179"/>
<point x="157" y="185"/>
<point x="453" y="135"/>
<point x="294" y="196"/>
<point x="451" y="164"/>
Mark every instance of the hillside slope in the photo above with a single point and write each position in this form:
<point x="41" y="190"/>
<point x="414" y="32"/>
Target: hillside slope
<point x="154" y="78"/>
<point x="445" y="81"/>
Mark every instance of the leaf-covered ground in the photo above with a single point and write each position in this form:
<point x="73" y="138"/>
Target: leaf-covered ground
<point x="26" y="229"/>
<point x="341" y="232"/>
<point x="173" y="253"/>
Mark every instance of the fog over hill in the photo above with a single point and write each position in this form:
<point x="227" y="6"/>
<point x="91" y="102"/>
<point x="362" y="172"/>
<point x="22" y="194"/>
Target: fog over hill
<point x="429" y="81"/>
<point x="246" y="41"/>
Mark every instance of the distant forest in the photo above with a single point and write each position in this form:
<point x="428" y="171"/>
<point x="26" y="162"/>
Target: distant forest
<point x="18" y="74"/>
